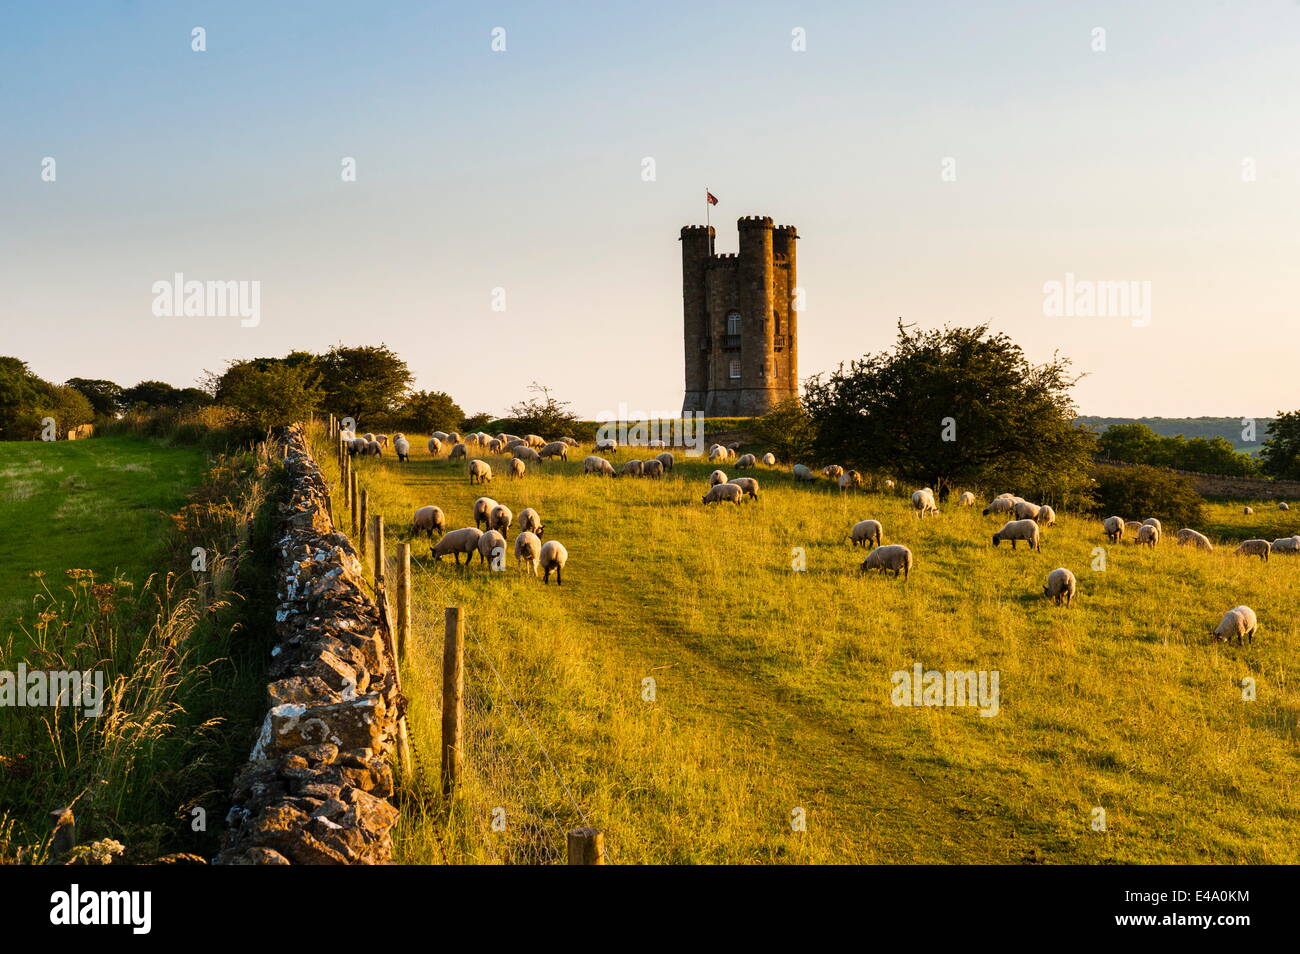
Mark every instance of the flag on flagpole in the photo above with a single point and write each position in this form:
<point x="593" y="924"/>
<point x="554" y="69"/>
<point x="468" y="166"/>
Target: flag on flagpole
<point x="713" y="199"/>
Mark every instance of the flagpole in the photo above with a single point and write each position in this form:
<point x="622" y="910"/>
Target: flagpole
<point x="708" y="222"/>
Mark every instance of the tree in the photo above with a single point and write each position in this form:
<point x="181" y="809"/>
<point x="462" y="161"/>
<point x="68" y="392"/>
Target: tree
<point x="542" y="415"/>
<point x="272" y="396"/>
<point x="1135" y="443"/>
<point x="428" y="411"/>
<point x="26" y="400"/>
<point x="957" y="407"/>
<point x="787" y="430"/>
<point x="363" y="382"/>
<point x="1280" y="454"/>
<point x="1137" y="491"/>
<point x="104" y="396"/>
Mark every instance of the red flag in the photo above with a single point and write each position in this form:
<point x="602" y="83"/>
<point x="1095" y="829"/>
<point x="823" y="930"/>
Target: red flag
<point x="713" y="199"/>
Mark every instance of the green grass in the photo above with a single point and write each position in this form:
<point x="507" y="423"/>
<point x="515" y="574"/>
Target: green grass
<point x="773" y="686"/>
<point x="96" y="504"/>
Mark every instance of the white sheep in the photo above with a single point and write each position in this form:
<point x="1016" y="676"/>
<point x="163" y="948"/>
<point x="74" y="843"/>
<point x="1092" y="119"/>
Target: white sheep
<point x="553" y="557"/>
<point x="923" y="502"/>
<point x="598" y="466"/>
<point x="724" y="492"/>
<point x="496" y="446"/>
<point x="631" y="468"/>
<point x="608" y="445"/>
<point x="531" y="521"/>
<point x="717" y="452"/>
<point x="746" y="461"/>
<point x="892" y="556"/>
<point x="435" y="446"/>
<point x="524" y="452"/>
<point x="459" y="451"/>
<point x="1132" y="526"/>
<point x="1240" y="621"/>
<point x="402" y="448"/>
<point x="717" y="477"/>
<point x="656" y="444"/>
<point x="357" y="445"/>
<point x="731" y="452"/>
<point x="889" y="485"/>
<point x="652" y="468"/>
<point x="374" y="449"/>
<point x="1046" y="516"/>
<point x="1148" y="534"/>
<point x="967" y="499"/>
<point x="483" y="511"/>
<point x="554" y="449"/>
<point x="667" y="460"/>
<point x="1284" y="506"/>
<point x="748" y="484"/>
<point x="517" y="467"/>
<point x="438" y="436"/>
<point x="427" y="520"/>
<point x="849" y="479"/>
<point x="570" y="441"/>
<point x="500" y="518"/>
<point x="1024" y="510"/>
<point x="1247" y="510"/>
<point x="528" y="551"/>
<point x="382" y="439"/>
<point x="832" y="471"/>
<point x="1288" y="545"/>
<point x="479" y="471"/>
<point x="1114" y="527"/>
<point x="535" y="441"/>
<point x="1259" y="548"/>
<point x="492" y="547"/>
<point x="803" y="473"/>
<point x="464" y="540"/>
<point x="1154" y="522"/>
<point x="866" y="531"/>
<point x="1061" y="586"/>
<point x="1197" y="539"/>
<point x="769" y="459"/>
<point x="999" y="505"/>
<point x="1016" y="530"/>
<point x="452" y="438"/>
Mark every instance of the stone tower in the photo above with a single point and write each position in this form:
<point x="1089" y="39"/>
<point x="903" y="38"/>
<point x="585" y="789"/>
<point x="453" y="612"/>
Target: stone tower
<point x="740" y="326"/>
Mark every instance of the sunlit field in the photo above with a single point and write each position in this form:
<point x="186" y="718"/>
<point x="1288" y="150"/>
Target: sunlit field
<point x="771" y="693"/>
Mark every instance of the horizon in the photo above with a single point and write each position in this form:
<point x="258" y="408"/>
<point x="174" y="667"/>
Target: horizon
<point x="1126" y="164"/>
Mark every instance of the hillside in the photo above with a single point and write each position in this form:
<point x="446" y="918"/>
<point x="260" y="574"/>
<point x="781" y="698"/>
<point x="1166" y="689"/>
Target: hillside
<point x="1190" y="427"/>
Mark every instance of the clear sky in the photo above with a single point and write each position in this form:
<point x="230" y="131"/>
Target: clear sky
<point x="522" y="170"/>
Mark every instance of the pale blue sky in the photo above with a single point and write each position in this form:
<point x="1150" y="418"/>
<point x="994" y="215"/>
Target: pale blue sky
<point x="522" y="170"/>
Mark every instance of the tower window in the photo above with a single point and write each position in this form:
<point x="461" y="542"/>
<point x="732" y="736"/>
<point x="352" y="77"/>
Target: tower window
<point x="735" y="369"/>
<point x="733" y="323"/>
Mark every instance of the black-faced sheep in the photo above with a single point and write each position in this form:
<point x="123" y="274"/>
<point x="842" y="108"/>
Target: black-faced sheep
<point x="491" y="547"/>
<point x="1061" y="586"/>
<point x="1259" y="548"/>
<point x="1240" y="621"/>
<point x="892" y="556"/>
<point x="531" y="521"/>
<point x="428" y="520"/>
<point x="500" y="519"/>
<point x="923" y="502"/>
<point x="724" y="492"/>
<point x="717" y="477"/>
<point x="866" y="531"/>
<point x="1114" y="527"/>
<point x="1017" y="530"/>
<point x="479" y="471"/>
<point x="748" y="484"/>
<point x="464" y="540"/>
<point x="517" y="467"/>
<point x="483" y="511"/>
<point x="553" y="557"/>
<point x="1197" y="539"/>
<point x="528" y="551"/>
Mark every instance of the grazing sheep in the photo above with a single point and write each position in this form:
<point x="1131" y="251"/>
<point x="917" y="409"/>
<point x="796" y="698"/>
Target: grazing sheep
<point x="656" y="445"/>
<point x="554" y="449"/>
<point x="531" y="521"/>
<point x="1284" y="506"/>
<point x="402" y="448"/>
<point x="491" y="546"/>
<point x="1239" y="621"/>
<point x="803" y="473"/>
<point x="517" y="467"/>
<point x="1287" y="545"/>
<point x="717" y="452"/>
<point x="458" y="451"/>
<point x="769" y="459"/>
<point x="1046" y="516"/>
<point x="1132" y="526"/>
<point x="598" y="466"/>
<point x="667" y="460"/>
<point x="500" y="519"/>
<point x="570" y="441"/>
<point x="608" y="445"/>
<point x="495" y="446"/>
<point x="382" y="439"/>
<point x="731" y="452"/>
<point x="717" y="477"/>
<point x="1259" y="548"/>
<point x="748" y="484"/>
<point x="483" y="511"/>
<point x="631" y="468"/>
<point x="1148" y="534"/>
<point x="374" y="449"/>
<point x="453" y="438"/>
<point x="553" y="557"/>
<point x="1114" y="527"/>
<point x="438" y="436"/>
<point x="1061" y="586"/>
<point x="833" y="471"/>
<point x="731" y="493"/>
<point x="528" y="551"/>
<point x="535" y="441"/>
<point x="892" y="556"/>
<point x="999" y="505"/>
<point x="1247" y="510"/>
<point x="866" y="531"/>
<point x="889" y="485"/>
<point x="746" y="461"/>
<point x="652" y="468"/>
<point x="1153" y="522"/>
<point x="1195" y="538"/>
<point x="1016" y="530"/>
<point x="1024" y="510"/>
<point x="357" y="445"/>
<point x="923" y="502"/>
<point x="967" y="499"/>
<point x="428" y="519"/>
<point x="524" y="452"/>
<point x="369" y="437"/>
<point x="481" y="470"/>
<point x="464" y="540"/>
<point x="850" y="478"/>
<point x="435" y="446"/>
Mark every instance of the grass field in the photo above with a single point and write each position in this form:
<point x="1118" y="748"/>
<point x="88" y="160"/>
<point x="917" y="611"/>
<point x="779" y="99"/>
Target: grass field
<point x="95" y="504"/>
<point x="772" y="687"/>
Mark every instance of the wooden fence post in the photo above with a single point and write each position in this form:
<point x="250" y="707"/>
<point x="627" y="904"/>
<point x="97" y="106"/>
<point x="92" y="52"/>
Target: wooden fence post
<point x="453" y="688"/>
<point x="365" y="507"/>
<point x="403" y="599"/>
<point x="63" y="833"/>
<point x="352" y="492"/>
<point x="586" y="846"/>
<point x="377" y="533"/>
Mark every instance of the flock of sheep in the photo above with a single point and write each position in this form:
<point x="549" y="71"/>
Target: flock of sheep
<point x="1027" y="522"/>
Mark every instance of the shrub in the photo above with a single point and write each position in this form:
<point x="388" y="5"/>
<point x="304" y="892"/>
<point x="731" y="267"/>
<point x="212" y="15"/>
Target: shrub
<point x="787" y="430"/>
<point x="1137" y="491"/>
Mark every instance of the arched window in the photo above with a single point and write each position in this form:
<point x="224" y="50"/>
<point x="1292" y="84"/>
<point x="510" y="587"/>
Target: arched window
<point x="733" y="323"/>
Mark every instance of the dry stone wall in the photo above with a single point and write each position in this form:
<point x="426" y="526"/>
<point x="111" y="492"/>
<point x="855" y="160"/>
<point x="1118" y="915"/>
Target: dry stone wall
<point x="315" y="789"/>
